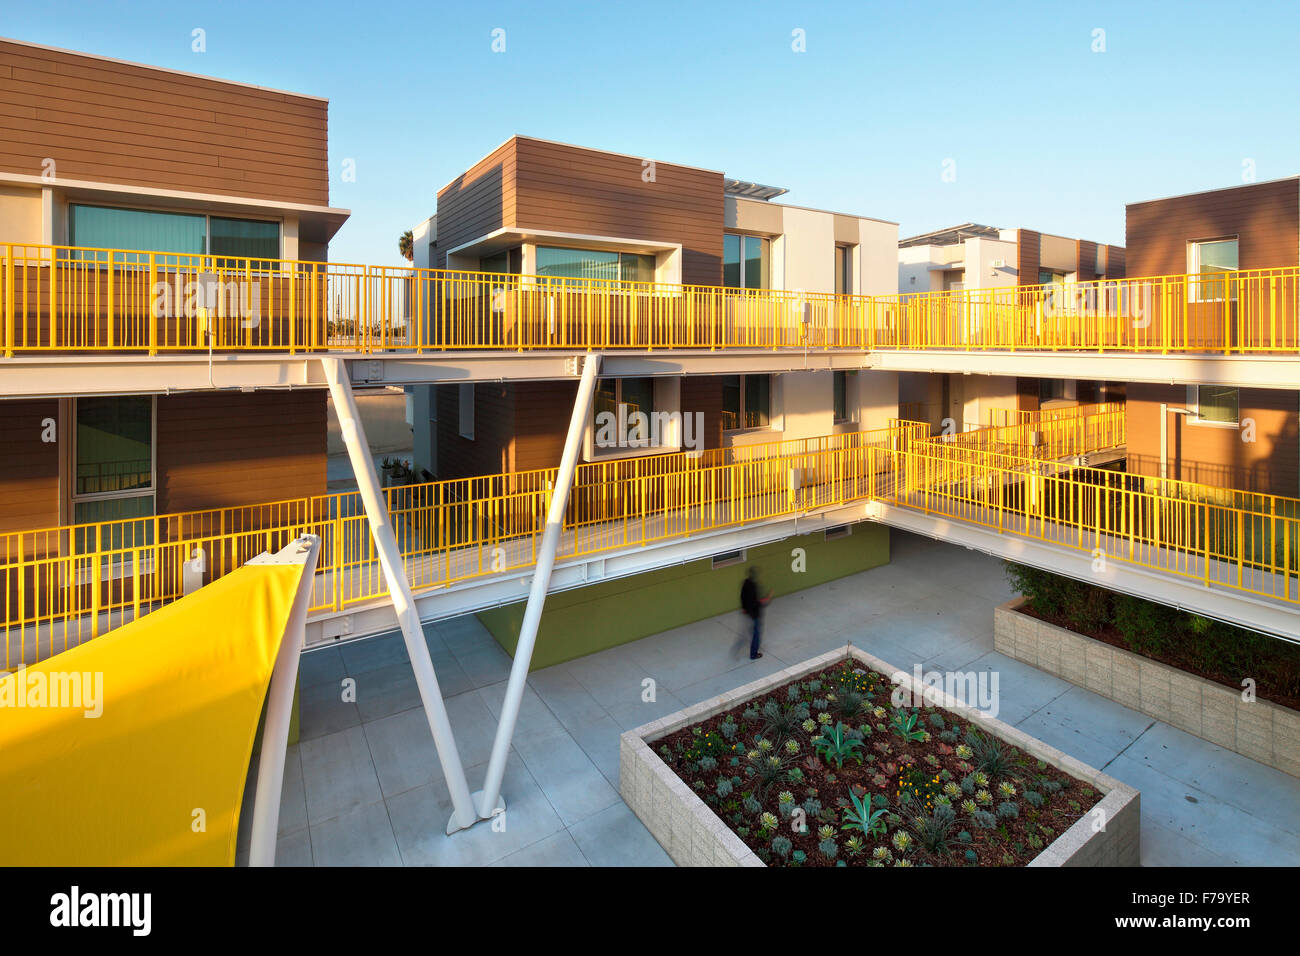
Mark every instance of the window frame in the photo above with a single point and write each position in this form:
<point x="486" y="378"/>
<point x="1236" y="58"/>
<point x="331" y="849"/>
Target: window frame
<point x="838" y="377"/>
<point x="75" y="498"/>
<point x="465" y="395"/>
<point x="1201" y="290"/>
<point x="844" y="268"/>
<point x="619" y="256"/>
<point x="741" y="427"/>
<point x="1198" y="419"/>
<point x="119" y="566"/>
<point x="206" y="215"/>
<point x="765" y="262"/>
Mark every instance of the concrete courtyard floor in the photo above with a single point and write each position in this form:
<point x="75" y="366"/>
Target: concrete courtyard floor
<point x="363" y="785"/>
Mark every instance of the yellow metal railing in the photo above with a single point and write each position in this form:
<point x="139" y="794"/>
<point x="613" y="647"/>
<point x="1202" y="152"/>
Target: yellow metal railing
<point x="75" y="299"/>
<point x="1068" y="432"/>
<point x="68" y="584"/>
<point x="71" y="583"/>
<point x="1224" y="538"/>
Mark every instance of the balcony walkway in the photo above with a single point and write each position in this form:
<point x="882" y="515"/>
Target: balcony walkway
<point x="363" y="786"/>
<point x="1003" y="505"/>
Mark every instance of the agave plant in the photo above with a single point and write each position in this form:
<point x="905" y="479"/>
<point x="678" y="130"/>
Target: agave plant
<point x="861" y="817"/>
<point x="906" y="725"/>
<point x="835" y="746"/>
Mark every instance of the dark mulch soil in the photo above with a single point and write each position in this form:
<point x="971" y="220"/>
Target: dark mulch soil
<point x="1014" y="841"/>
<point x="1179" y="657"/>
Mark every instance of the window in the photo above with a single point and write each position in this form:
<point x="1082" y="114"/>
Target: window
<point x="113" y="481"/>
<point x="1209" y="260"/>
<point x="1218" y="403"/>
<point x="595" y="264"/>
<point x="101" y="227"/>
<point x="844" y="270"/>
<point x="243" y="239"/>
<point x="840" y="387"/>
<point x="839" y="531"/>
<point x="1057" y="389"/>
<point x="465" y="410"/>
<point x="728" y="558"/>
<point x="744" y="261"/>
<point x="638" y="394"/>
<point x="105" y="227"/>
<point x="746" y="401"/>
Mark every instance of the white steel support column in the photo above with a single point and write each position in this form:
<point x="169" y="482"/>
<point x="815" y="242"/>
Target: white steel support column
<point x="390" y="561"/>
<point x="489" y="797"/>
<point x="279" y="704"/>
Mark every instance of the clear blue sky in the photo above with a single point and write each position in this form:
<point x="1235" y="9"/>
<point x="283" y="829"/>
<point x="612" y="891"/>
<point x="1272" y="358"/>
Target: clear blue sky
<point x="1045" y="133"/>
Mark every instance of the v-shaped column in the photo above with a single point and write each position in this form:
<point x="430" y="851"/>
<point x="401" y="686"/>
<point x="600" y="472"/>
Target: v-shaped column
<point x="390" y="562"/>
<point x="489" y="798"/>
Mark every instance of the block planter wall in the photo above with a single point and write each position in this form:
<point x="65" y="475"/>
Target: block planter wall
<point x="693" y="835"/>
<point x="1259" y="730"/>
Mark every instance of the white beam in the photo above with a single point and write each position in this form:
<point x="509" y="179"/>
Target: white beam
<point x="279" y="701"/>
<point x="488" y="799"/>
<point x="390" y="561"/>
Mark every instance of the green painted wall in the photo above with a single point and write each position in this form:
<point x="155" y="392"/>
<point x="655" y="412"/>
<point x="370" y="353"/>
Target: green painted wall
<point x="599" y="616"/>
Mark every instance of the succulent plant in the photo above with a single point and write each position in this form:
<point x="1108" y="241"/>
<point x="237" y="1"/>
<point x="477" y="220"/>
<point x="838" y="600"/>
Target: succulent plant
<point x="829" y="848"/>
<point x="768" y="821"/>
<point x="781" y="846"/>
<point x="1033" y="798"/>
<point x="1008" y="809"/>
<point x="983" y="798"/>
<point x="1006" y="789"/>
<point x="984" y="820"/>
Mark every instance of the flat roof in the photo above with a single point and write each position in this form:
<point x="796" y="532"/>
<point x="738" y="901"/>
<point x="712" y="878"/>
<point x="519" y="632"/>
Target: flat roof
<point x="162" y="69"/>
<point x="1217" y="189"/>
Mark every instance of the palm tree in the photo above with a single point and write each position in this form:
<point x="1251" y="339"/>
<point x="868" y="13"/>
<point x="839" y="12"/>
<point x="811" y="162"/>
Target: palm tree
<point x="406" y="246"/>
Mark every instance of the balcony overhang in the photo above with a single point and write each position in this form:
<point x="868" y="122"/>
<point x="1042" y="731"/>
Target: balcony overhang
<point x="501" y="239"/>
<point x="315" y="223"/>
<point x="1257" y="371"/>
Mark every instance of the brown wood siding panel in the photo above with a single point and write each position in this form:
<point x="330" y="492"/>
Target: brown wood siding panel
<point x="226" y="449"/>
<point x="1086" y="260"/>
<point x="1215" y="455"/>
<point x="479" y="201"/>
<point x="568" y="189"/>
<point x="1027" y="390"/>
<point x="488" y="452"/>
<point x="1028" y="256"/>
<point x="1265" y="217"/>
<point x="29" y="493"/>
<point x="1116" y="266"/>
<point x="131" y="125"/>
<point x="703" y="393"/>
<point x="542" y="411"/>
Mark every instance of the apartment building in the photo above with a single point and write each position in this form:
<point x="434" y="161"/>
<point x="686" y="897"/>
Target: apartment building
<point x="193" y="177"/>
<point x="569" y="213"/>
<point x="1226" y="435"/>
<point x="976" y="256"/>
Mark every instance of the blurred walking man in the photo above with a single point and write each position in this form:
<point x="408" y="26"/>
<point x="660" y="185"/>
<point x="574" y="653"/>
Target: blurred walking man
<point x="753" y="605"/>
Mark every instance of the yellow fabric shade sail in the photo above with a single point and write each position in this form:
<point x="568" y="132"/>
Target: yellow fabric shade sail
<point x="158" y="777"/>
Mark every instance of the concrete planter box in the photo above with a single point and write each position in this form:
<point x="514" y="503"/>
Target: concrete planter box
<point x="1260" y="730"/>
<point x="693" y="835"/>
